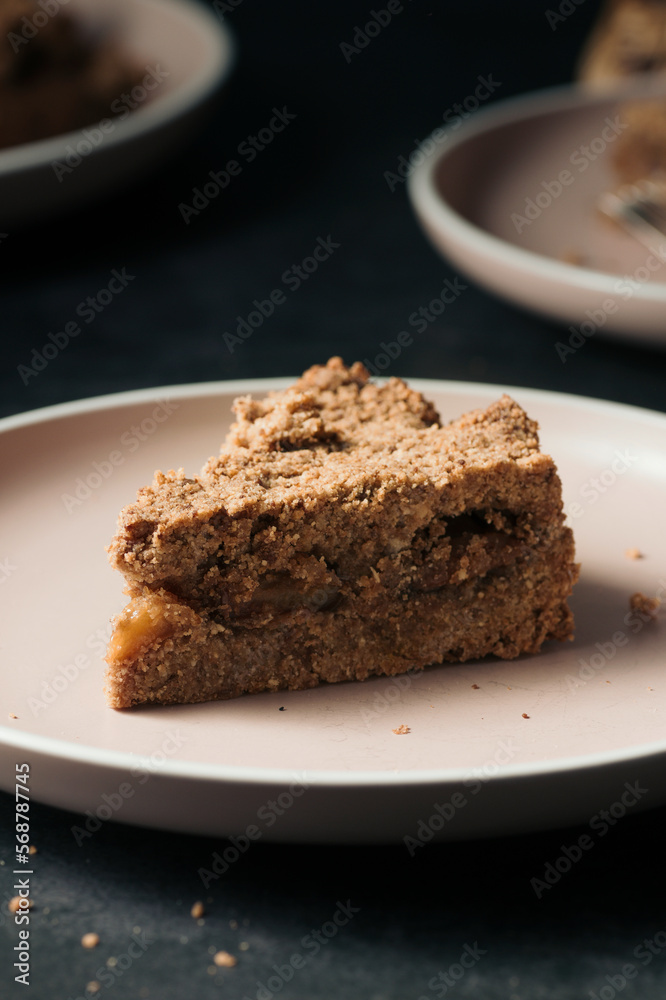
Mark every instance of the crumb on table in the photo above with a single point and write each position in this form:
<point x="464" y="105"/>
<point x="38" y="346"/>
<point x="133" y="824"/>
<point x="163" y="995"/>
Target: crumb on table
<point x="401" y="730"/>
<point x="224" y="959"/>
<point x="17" y="903"/>
<point x="90" y="940"/>
<point x="475" y="687"/>
<point x="643" y="603"/>
<point x="197" y="910"/>
<point x="12" y="716"/>
<point x="633" y="554"/>
<point x="525" y="715"/>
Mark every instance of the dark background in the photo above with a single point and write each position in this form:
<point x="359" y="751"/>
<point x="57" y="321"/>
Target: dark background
<point x="323" y="175"/>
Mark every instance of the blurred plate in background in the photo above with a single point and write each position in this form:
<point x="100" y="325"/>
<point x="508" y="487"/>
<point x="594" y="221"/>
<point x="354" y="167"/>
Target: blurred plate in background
<point x="194" y="53"/>
<point x="490" y="196"/>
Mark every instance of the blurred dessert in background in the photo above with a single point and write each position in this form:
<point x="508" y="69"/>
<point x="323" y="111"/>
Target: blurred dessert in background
<point x="640" y="150"/>
<point x="55" y="74"/>
<point x="629" y="42"/>
<point x="628" y="39"/>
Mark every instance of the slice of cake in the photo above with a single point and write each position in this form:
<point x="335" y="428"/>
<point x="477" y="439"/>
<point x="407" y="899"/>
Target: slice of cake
<point x="342" y="532"/>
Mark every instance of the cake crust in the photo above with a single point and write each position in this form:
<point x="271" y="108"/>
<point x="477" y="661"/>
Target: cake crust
<point x="341" y="532"/>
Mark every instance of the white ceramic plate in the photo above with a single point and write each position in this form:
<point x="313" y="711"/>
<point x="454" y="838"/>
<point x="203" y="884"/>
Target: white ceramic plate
<point x="189" y="53"/>
<point x="216" y="768"/>
<point x="489" y="197"/>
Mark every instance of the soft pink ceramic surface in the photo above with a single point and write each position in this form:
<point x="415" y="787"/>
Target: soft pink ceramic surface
<point x="490" y="197"/>
<point x="595" y="706"/>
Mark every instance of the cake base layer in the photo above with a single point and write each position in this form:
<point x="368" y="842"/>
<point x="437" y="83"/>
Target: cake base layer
<point x="165" y="652"/>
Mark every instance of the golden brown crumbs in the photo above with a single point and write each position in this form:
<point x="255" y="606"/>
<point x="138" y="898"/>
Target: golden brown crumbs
<point x="645" y="604"/>
<point x="90" y="940"/>
<point x="633" y="554"/>
<point x="197" y="910"/>
<point x="402" y="730"/>
<point x="93" y="987"/>
<point x="32" y="849"/>
<point x="525" y="715"/>
<point x="15" y="902"/>
<point x="475" y="686"/>
<point x="224" y="959"/>
<point x="12" y="716"/>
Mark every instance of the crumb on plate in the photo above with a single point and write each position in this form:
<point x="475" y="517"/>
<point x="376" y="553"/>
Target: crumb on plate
<point x="646" y="605"/>
<point x="573" y="256"/>
<point x="402" y="730"/>
<point x="633" y="554"/>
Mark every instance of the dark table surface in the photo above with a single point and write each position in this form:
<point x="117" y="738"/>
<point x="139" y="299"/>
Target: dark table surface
<point x="323" y="176"/>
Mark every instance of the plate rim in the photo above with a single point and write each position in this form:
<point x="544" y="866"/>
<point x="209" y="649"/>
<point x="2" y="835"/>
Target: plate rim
<point x="428" y="203"/>
<point x="234" y="774"/>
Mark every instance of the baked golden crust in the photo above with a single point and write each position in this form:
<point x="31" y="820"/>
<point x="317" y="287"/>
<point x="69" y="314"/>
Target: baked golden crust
<point x="341" y="532"/>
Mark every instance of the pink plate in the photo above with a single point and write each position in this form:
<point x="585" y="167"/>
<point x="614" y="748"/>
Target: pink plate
<point x="493" y="747"/>
<point x="510" y="197"/>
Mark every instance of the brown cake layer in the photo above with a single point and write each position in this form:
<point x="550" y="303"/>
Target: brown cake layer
<point x="341" y="532"/>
